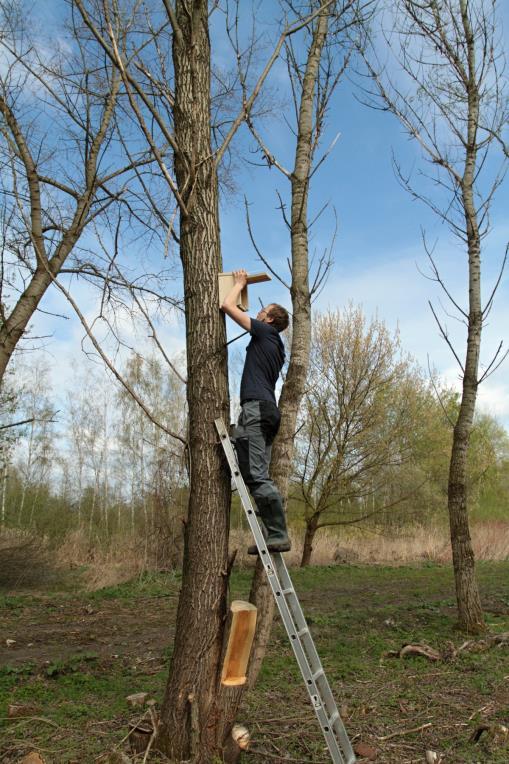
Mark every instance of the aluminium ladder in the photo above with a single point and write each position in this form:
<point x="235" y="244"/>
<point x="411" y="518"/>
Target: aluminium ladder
<point x="318" y="688"/>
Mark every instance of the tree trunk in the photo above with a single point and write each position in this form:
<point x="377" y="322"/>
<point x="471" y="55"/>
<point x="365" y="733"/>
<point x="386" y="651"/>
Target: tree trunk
<point x="470" y="612"/>
<point x="191" y="717"/>
<point x="293" y="388"/>
<point x="15" y="325"/>
<point x="309" y="537"/>
<point x="261" y="596"/>
<point x="4" y="490"/>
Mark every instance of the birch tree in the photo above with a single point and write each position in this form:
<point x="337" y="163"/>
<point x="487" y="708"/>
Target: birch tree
<point x="34" y="462"/>
<point x="9" y="434"/>
<point x="451" y="98"/>
<point x="152" y="462"/>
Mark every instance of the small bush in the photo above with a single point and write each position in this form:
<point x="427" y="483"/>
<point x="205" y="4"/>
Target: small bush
<point x="25" y="560"/>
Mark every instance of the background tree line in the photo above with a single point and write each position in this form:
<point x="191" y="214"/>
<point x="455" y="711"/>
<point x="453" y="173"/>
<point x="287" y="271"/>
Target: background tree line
<point x="372" y="448"/>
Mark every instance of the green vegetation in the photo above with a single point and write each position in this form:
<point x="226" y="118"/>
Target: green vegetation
<point x="77" y="657"/>
<point x="61" y="496"/>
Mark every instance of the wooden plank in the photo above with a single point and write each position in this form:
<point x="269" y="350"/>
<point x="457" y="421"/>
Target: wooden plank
<point x="240" y="641"/>
<point x="252" y="278"/>
<point x="257" y="278"/>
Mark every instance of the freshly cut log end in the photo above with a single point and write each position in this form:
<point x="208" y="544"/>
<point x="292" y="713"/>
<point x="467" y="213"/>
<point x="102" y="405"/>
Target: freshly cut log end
<point x="241" y="736"/>
<point x="240" y="640"/>
<point x="237" y="742"/>
<point x="137" y="699"/>
<point x="233" y="681"/>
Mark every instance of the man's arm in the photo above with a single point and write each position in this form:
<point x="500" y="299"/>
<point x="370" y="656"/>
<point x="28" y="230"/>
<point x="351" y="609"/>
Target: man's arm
<point x="229" y="305"/>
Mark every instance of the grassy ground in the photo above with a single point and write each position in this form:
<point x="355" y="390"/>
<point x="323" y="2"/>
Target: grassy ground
<point x="77" y="656"/>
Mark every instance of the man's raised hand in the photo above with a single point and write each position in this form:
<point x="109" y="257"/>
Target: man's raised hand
<point x="240" y="277"/>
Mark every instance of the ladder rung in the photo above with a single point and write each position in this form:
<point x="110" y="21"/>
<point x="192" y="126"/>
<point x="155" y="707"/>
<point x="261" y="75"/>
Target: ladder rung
<point x="290" y="590"/>
<point x="334" y="717"/>
<point x="303" y="631"/>
<point x="320" y="672"/>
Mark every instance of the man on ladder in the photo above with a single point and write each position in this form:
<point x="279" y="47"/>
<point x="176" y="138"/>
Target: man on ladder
<point x="259" y="417"/>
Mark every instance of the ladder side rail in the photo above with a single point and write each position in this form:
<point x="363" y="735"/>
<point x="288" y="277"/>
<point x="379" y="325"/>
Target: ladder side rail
<point x="245" y="498"/>
<point x="324" y="718"/>
<point x="297" y="612"/>
<point x="314" y="658"/>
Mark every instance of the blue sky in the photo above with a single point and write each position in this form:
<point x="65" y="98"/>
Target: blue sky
<point x="378" y="250"/>
<point x="378" y="254"/>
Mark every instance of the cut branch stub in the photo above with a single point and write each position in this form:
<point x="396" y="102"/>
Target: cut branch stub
<point x="424" y="650"/>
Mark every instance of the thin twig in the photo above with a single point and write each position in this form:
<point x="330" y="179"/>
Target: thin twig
<point x="405" y="732"/>
<point x="262" y="258"/>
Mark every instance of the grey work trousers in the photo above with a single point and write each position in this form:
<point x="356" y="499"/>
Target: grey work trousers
<point x="256" y="429"/>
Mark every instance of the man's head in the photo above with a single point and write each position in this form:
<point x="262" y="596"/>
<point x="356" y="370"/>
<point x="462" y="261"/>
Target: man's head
<point x="276" y="315"/>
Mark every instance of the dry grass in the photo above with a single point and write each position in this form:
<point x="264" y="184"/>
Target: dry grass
<point x="119" y="561"/>
<point x="122" y="558"/>
<point x="490" y="541"/>
<point x="26" y="560"/>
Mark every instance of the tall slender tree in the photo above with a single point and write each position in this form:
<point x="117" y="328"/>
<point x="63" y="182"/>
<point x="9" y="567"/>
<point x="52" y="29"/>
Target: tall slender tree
<point x="315" y="67"/>
<point x="451" y="98"/>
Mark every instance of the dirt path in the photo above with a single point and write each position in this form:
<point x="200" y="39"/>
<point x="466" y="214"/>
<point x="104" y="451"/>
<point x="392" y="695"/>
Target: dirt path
<point x="49" y="630"/>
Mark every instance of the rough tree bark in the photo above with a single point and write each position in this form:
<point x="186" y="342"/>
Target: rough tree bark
<point x="293" y="387"/>
<point x="457" y="110"/>
<point x="190" y="716"/>
<point x="309" y="537"/>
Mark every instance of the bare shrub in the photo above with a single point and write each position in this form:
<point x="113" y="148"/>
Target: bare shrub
<point x="25" y="560"/>
<point x="123" y="556"/>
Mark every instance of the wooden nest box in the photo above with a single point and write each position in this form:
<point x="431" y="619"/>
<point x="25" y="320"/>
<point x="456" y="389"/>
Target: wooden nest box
<point x="226" y="282"/>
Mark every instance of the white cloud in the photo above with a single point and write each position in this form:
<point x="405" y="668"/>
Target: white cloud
<point x="393" y="288"/>
<point x="66" y="346"/>
<point x="494" y="399"/>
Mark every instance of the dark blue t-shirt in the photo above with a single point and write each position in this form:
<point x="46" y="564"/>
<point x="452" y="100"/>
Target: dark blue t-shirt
<point x="265" y="356"/>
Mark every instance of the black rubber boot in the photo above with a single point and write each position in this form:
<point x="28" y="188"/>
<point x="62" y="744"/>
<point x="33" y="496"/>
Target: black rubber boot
<point x="273" y="518"/>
